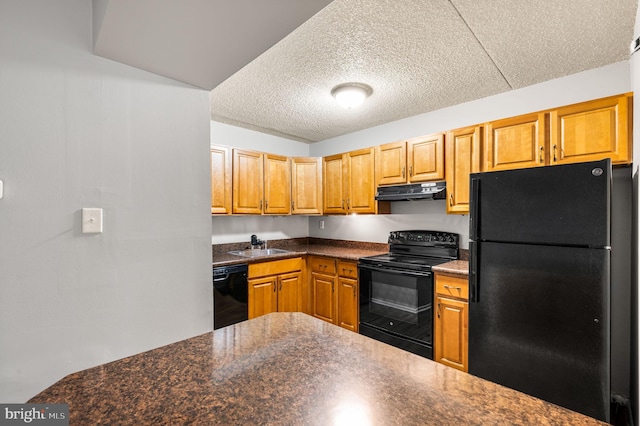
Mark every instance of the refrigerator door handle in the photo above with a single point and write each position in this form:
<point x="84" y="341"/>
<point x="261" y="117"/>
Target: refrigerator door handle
<point x="473" y="272"/>
<point x="474" y="203"/>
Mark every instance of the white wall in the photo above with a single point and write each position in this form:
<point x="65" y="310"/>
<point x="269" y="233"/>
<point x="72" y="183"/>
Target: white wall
<point x="81" y="131"/>
<point x="635" y="83"/>
<point x="224" y="134"/>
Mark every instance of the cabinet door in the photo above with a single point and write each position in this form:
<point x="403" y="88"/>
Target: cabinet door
<point x="463" y="158"/>
<point x="515" y="143"/>
<point x="220" y="180"/>
<point x="289" y="292"/>
<point x="333" y="177"/>
<point x="263" y="296"/>
<point x="306" y="186"/>
<point x="451" y="332"/>
<point x="348" y="303"/>
<point x="591" y="131"/>
<point x="361" y="189"/>
<point x="247" y="182"/>
<point x="391" y="163"/>
<point x="426" y="158"/>
<point x="277" y="184"/>
<point x="323" y="304"/>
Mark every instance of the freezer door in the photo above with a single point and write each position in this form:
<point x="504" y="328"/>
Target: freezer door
<point x="559" y="205"/>
<point x="541" y="323"/>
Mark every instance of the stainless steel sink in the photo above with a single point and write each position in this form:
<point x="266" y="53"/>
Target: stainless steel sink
<point x="257" y="252"/>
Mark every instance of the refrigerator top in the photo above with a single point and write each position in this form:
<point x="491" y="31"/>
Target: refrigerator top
<point x="566" y="205"/>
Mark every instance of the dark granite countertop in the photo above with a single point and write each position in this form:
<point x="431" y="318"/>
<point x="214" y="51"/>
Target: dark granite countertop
<point x="286" y="369"/>
<point x="347" y="250"/>
<point x="455" y="267"/>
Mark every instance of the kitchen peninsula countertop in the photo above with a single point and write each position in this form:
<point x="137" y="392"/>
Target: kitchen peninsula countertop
<point x="291" y="368"/>
<point x="348" y="250"/>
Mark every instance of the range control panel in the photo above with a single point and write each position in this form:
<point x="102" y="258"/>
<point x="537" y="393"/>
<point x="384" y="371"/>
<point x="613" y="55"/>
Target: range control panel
<point x="424" y="238"/>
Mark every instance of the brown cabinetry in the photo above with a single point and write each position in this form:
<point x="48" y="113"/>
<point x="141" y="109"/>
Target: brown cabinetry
<point x="275" y="286"/>
<point x="591" y="131"/>
<point x="416" y="160"/>
<point x="515" y="143"/>
<point x="261" y="183"/>
<point x="220" y="180"/>
<point x="334" y="291"/>
<point x="306" y="185"/>
<point x="349" y="182"/>
<point x="451" y="314"/>
<point x="463" y="158"/>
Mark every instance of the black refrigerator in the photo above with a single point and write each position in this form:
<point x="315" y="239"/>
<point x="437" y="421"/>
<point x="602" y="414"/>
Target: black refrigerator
<point x="539" y="276"/>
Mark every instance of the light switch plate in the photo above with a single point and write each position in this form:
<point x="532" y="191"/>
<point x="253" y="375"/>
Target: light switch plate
<point x="1" y="189"/>
<point x="91" y="221"/>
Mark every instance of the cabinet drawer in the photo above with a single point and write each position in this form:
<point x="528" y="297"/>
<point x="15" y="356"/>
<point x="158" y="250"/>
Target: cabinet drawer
<point x="452" y="286"/>
<point x="323" y="265"/>
<point x="347" y="269"/>
<point x="275" y="267"/>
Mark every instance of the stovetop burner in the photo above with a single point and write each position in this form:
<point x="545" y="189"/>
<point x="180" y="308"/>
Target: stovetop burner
<point x="417" y="250"/>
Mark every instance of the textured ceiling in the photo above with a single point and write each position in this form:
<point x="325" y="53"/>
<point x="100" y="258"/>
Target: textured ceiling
<point x="418" y="56"/>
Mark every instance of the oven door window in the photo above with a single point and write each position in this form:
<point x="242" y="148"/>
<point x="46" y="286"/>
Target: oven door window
<point x="398" y="301"/>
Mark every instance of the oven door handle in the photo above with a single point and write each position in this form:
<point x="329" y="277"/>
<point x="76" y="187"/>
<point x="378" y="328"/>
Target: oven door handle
<point x="395" y="271"/>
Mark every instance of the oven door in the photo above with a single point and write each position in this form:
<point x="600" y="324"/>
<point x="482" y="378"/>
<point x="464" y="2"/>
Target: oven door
<point x="396" y="307"/>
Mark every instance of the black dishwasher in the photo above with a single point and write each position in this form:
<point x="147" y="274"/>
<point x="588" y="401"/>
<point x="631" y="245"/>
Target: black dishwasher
<point x="230" y="295"/>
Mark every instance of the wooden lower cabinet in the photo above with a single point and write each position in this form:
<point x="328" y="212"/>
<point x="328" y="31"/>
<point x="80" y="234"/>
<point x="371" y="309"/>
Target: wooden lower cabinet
<point x="334" y="291"/>
<point x="275" y="286"/>
<point x="451" y="318"/>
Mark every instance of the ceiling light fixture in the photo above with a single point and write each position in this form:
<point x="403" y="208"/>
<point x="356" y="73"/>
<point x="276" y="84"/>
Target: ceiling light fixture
<point x="351" y="95"/>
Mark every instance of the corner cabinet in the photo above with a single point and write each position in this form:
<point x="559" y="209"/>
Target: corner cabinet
<point x="591" y="131"/>
<point x="334" y="291"/>
<point x="275" y="286"/>
<point x="451" y="322"/>
<point x="220" y="180"/>
<point x="463" y="158"/>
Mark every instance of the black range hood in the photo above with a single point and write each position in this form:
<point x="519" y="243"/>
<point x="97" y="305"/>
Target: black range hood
<point x="413" y="191"/>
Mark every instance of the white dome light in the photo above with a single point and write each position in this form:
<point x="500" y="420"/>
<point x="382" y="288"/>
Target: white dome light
<point x="351" y="95"/>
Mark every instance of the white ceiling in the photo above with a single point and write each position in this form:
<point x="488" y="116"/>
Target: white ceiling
<point x="417" y="55"/>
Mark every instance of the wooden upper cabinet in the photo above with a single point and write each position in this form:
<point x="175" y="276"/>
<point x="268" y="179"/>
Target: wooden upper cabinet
<point x="333" y="178"/>
<point x="463" y="158"/>
<point x="247" y="182"/>
<point x="361" y="189"/>
<point x="220" y="180"/>
<point x="391" y="163"/>
<point x="515" y="143"/>
<point x="306" y="185"/>
<point x="591" y="131"/>
<point x="416" y="160"/>
<point x="261" y="183"/>
<point x="349" y="181"/>
<point x="425" y="158"/>
<point x="277" y="184"/>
